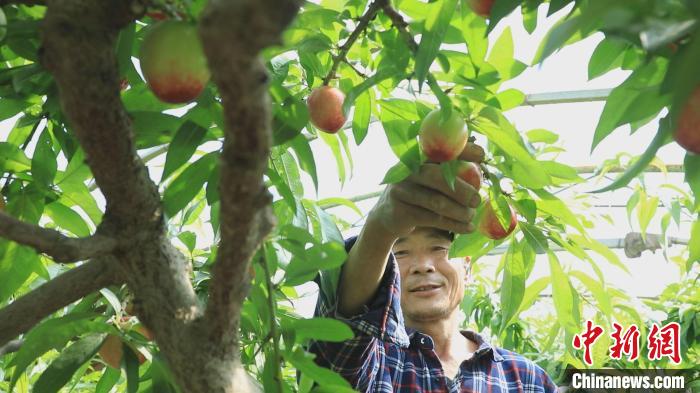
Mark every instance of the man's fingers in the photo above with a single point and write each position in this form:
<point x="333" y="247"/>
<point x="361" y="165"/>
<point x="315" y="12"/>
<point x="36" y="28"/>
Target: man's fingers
<point x="426" y="218"/>
<point x="432" y="200"/>
<point x="430" y="176"/>
<point x="472" y="152"/>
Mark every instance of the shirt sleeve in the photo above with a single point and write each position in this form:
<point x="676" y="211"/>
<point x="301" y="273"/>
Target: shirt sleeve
<point x="380" y="318"/>
<point x="543" y="379"/>
<point x="358" y="359"/>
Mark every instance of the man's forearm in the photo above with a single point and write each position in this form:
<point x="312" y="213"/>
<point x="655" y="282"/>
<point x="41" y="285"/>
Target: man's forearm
<point x="362" y="273"/>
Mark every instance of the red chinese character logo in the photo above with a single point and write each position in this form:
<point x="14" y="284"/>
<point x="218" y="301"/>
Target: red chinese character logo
<point x="627" y="343"/>
<point x="665" y="342"/>
<point x="589" y="336"/>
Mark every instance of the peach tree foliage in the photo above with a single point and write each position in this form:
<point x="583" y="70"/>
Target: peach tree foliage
<point x="67" y="154"/>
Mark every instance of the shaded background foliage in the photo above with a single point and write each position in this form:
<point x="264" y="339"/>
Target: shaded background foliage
<point x="407" y="57"/>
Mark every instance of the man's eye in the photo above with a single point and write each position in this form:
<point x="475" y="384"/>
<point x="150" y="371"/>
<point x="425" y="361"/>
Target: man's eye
<point x="439" y="248"/>
<point x="399" y="254"/>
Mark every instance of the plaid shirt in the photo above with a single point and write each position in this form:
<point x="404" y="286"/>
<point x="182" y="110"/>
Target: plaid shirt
<point x="385" y="356"/>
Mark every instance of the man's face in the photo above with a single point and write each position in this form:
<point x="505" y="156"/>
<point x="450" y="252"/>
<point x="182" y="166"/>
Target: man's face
<point x="432" y="286"/>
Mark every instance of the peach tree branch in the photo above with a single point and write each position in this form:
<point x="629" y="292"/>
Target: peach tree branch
<point x="232" y="48"/>
<point x="25" y="312"/>
<point x="60" y="248"/>
<point x="345" y="48"/>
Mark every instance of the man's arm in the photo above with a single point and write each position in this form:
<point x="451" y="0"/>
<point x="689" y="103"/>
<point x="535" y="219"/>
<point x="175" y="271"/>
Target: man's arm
<point x="423" y="199"/>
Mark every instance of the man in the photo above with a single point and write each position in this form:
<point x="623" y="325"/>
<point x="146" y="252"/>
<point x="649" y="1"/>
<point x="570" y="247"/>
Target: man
<point x="401" y="293"/>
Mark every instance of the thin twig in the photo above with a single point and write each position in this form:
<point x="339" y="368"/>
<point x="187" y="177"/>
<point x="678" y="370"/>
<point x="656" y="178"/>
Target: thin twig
<point x="61" y="248"/>
<point x="402" y="26"/>
<point x="358" y="72"/>
<point x="361" y="26"/>
<point x="274" y="332"/>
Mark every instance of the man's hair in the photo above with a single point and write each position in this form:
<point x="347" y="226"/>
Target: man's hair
<point x="449" y="235"/>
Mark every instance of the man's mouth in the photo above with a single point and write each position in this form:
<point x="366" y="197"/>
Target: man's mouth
<point x="424" y="288"/>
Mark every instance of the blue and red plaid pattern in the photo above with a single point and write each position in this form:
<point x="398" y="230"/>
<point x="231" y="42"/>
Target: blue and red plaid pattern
<point x="385" y="356"/>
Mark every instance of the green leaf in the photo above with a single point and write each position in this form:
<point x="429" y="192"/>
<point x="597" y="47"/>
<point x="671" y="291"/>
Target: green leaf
<point x="289" y="171"/>
<point x="53" y="334"/>
<point x="153" y="128"/>
<point x="534" y="237"/>
<point x="183" y="145"/>
<point x="400" y="132"/>
<point x="511" y="98"/>
<point x="646" y="211"/>
<point x="10" y="107"/>
<point x="502" y="57"/>
<point x="436" y="24"/>
<point x="556" y="5"/>
<point x="188" y="184"/>
<point x="360" y="89"/>
<point x="12" y="273"/>
<point x="302" y="149"/>
<point x="501" y="9"/>
<point x="513" y="286"/>
<point x="600" y="249"/>
<point x="66" y="218"/>
<point x="61" y="370"/>
<point x="303" y="268"/>
<point x="322" y="329"/>
<point x="554" y="206"/>
<point x="131" y="365"/>
<point x="573" y="28"/>
<point x="291" y="115"/>
<point x="44" y="160"/>
<point x="331" y="141"/>
<point x="694" y="244"/>
<point x="631" y="204"/>
<point x="498" y="130"/>
<point x="76" y="193"/>
<point x="326" y="202"/>
<point x="561" y="171"/>
<point x="663" y="136"/>
<point x="529" y="12"/>
<point x="532" y="293"/>
<point x="361" y="116"/>
<point x="624" y="104"/>
<point x="112" y="299"/>
<point x="564" y="296"/>
<point x="329" y="231"/>
<point x="109" y="378"/>
<point x="607" y="56"/>
<point x="304" y="363"/>
<point x="396" y="173"/>
<point x="527" y="208"/>
<point x="125" y="45"/>
<point x="691" y="164"/>
<point x="597" y="289"/>
<point x="12" y="159"/>
<point x="542" y="135"/>
<point x="162" y="378"/>
<point x="474" y="34"/>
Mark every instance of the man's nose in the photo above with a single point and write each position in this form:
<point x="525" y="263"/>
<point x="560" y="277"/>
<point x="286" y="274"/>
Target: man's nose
<point x="422" y="265"/>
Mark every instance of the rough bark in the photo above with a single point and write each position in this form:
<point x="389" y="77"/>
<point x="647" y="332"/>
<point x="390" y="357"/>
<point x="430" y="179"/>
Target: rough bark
<point x="52" y="243"/>
<point x="22" y="314"/>
<point x="78" y="49"/>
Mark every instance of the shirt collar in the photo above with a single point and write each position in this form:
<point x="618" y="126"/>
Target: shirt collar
<point x="484" y="347"/>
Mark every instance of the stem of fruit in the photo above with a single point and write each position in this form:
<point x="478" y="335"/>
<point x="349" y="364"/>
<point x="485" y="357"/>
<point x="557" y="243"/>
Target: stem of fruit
<point x="361" y="26"/>
<point x="274" y="332"/>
